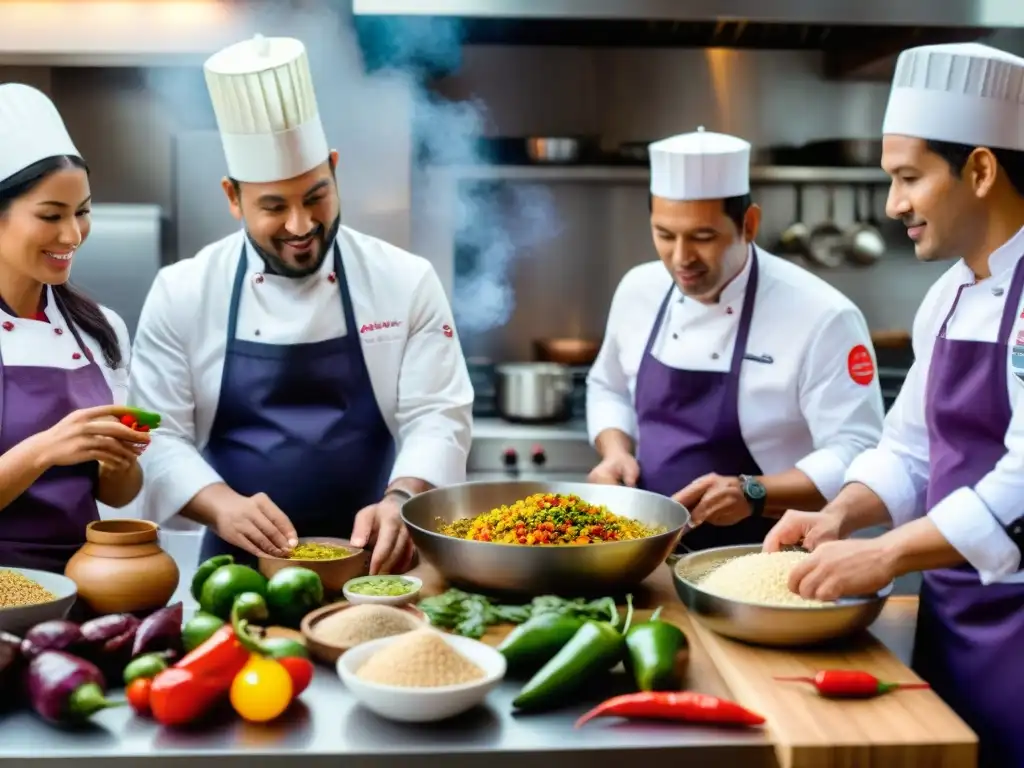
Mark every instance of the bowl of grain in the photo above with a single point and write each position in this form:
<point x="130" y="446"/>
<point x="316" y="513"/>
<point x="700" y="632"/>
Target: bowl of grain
<point x="335" y="561"/>
<point x="743" y="593"/>
<point x="334" y="629"/>
<point x="382" y="590"/>
<point x="29" y="597"/>
<point x="421" y="676"/>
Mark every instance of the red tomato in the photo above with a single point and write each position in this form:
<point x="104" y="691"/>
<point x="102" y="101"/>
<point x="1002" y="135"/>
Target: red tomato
<point x="137" y="694"/>
<point x="301" y="672"/>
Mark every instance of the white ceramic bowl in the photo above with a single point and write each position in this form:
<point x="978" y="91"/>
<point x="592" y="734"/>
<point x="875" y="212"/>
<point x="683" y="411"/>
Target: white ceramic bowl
<point x="423" y="705"/>
<point x="18" y="619"/>
<point x="355" y="598"/>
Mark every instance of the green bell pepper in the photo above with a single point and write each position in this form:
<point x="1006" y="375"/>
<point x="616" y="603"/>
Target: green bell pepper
<point x="225" y="584"/>
<point x="292" y="593"/>
<point x="198" y="630"/>
<point x="205" y="571"/>
<point x="250" y="606"/>
<point x="534" y="643"/>
<point x="595" y="648"/>
<point x="283" y="648"/>
<point x="657" y="654"/>
<point x="145" y="418"/>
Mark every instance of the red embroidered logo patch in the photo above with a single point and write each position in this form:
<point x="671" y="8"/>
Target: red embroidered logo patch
<point x="860" y="365"/>
<point x="370" y="327"/>
<point x="448" y="332"/>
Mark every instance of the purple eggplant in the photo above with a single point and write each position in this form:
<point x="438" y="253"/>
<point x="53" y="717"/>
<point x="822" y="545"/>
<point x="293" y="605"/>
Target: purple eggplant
<point x="11" y="664"/>
<point x="65" y="689"/>
<point x="55" y="635"/>
<point x="160" y="631"/>
<point x="107" y="642"/>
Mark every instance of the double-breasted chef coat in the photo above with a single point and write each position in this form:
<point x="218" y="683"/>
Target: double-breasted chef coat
<point x="953" y="448"/>
<point x="316" y="390"/>
<point x="49" y="368"/>
<point x="778" y="374"/>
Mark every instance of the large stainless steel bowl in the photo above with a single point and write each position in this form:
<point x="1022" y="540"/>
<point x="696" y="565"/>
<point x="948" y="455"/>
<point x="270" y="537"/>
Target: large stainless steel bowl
<point x="583" y="569"/>
<point x="782" y="626"/>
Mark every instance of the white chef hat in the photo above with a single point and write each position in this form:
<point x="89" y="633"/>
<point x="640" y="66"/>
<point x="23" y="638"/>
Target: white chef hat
<point x="964" y="93"/>
<point x="700" y="166"/>
<point x="31" y="129"/>
<point x="263" y="98"/>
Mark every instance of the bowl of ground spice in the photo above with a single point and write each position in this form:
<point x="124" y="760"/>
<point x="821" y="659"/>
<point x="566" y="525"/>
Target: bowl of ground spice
<point x="421" y="676"/>
<point x="382" y="590"/>
<point x="334" y="629"/>
<point x="29" y="597"/>
<point x="335" y="561"/>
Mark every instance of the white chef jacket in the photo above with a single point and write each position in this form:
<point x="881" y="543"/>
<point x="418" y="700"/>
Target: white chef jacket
<point x="31" y="342"/>
<point x="971" y="519"/>
<point x="412" y="353"/>
<point x="802" y="410"/>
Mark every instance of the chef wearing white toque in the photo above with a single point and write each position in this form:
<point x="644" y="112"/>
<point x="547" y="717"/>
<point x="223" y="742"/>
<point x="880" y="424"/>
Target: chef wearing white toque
<point x="63" y="358"/>
<point x="729" y="378"/>
<point x="309" y="376"/>
<point x="949" y="471"/>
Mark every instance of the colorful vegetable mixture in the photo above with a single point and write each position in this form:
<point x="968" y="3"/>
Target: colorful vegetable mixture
<point x="548" y="518"/>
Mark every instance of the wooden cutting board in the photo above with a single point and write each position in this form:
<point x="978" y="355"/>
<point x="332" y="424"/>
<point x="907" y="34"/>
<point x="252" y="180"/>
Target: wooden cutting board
<point x="909" y="729"/>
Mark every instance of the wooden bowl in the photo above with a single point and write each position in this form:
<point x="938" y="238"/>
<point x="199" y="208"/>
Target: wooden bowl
<point x="329" y="653"/>
<point x="333" y="573"/>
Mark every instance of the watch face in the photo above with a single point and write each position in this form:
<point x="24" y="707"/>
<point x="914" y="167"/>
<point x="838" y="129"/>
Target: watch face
<point x="754" y="488"/>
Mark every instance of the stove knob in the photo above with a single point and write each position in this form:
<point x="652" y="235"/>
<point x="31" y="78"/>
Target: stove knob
<point x="538" y="456"/>
<point x="510" y="458"/>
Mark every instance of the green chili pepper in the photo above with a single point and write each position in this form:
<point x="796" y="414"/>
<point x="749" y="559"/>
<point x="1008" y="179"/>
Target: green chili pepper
<point x="594" y="649"/>
<point x="198" y="630"/>
<point x="250" y="606"/>
<point x="283" y="648"/>
<point x="292" y="593"/>
<point x="206" y="570"/>
<point x="146" y="666"/>
<point x="533" y="644"/>
<point x="145" y="418"/>
<point x="657" y="654"/>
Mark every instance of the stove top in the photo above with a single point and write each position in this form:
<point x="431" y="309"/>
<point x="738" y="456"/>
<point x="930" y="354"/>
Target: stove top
<point x="504" y="450"/>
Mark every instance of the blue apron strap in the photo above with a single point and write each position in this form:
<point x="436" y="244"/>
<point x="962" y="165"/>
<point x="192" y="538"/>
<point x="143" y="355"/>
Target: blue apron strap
<point x="236" y="297"/>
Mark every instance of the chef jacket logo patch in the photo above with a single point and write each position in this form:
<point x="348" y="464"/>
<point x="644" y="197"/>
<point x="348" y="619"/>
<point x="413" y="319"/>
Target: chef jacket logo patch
<point x="371" y="327"/>
<point x="447" y="330"/>
<point x="860" y="365"/>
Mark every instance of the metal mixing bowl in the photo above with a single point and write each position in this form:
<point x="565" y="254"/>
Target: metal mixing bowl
<point x="782" y="626"/>
<point x="537" y="570"/>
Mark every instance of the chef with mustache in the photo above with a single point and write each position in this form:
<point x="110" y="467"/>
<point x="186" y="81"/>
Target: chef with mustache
<point x="948" y="473"/>
<point x="730" y="379"/>
<point x="309" y="376"/>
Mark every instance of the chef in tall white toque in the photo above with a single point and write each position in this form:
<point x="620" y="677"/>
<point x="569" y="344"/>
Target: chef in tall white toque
<point x="731" y="379"/>
<point x="63" y="358"/>
<point x="309" y="376"/>
<point x="949" y="471"/>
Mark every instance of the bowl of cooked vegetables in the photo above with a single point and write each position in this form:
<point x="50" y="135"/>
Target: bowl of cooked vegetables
<point x="544" y="538"/>
<point x="29" y="597"/>
<point x="382" y="590"/>
<point x="743" y="593"/>
<point x="335" y="561"/>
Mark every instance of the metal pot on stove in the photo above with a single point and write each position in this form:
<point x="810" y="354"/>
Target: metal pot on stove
<point x="533" y="392"/>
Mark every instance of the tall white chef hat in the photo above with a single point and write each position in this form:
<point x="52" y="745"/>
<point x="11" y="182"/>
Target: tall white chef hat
<point x="700" y="166"/>
<point x="31" y="129"/>
<point x="262" y="94"/>
<point x="964" y="93"/>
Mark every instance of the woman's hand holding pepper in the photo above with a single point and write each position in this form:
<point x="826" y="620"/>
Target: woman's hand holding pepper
<point x="90" y="434"/>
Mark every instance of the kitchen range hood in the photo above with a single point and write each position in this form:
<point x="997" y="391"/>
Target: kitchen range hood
<point x="852" y="32"/>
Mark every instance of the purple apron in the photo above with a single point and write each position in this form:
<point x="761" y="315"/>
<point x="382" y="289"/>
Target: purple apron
<point x="300" y="423"/>
<point x="970" y="638"/>
<point x="45" y="526"/>
<point x="689" y="425"/>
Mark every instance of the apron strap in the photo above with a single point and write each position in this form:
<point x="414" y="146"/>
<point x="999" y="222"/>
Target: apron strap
<point x="1009" y="318"/>
<point x="740" y="349"/>
<point x="659" y="319"/>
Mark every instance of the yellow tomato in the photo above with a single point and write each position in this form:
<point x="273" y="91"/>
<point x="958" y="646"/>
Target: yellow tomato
<point x="261" y="691"/>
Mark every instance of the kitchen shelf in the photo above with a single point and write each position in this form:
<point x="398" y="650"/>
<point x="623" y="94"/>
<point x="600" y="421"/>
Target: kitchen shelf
<point x="611" y="174"/>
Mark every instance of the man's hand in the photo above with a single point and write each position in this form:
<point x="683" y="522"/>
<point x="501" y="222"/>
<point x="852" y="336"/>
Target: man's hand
<point x="848" y="568"/>
<point x="804" y="529"/>
<point x="257" y="525"/>
<point x="618" y="468"/>
<point x="381" y="526"/>
<point x="715" y="499"/>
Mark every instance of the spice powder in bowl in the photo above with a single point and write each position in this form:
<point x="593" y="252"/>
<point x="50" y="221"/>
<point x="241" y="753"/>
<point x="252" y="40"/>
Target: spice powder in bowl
<point x="312" y="550"/>
<point x="362" y="623"/>
<point x="17" y="591"/>
<point x="420" y="659"/>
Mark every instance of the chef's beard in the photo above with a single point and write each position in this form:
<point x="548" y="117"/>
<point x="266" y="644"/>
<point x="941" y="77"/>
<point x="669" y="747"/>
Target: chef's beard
<point x="277" y="266"/>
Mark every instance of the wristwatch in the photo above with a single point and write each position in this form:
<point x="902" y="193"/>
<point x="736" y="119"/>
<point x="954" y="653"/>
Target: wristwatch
<point x="755" y="493"/>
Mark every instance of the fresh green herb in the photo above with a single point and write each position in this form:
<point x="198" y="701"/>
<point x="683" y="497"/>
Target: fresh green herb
<point x="470" y="615"/>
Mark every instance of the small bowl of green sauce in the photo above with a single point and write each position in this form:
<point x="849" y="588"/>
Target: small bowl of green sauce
<point x="382" y="590"/>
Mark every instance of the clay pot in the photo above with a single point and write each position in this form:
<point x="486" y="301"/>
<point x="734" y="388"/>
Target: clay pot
<point x="122" y="569"/>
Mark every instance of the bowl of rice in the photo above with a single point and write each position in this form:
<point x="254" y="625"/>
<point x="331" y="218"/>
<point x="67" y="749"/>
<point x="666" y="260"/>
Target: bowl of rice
<point x="421" y="676"/>
<point x="743" y="593"/>
<point x="29" y="597"/>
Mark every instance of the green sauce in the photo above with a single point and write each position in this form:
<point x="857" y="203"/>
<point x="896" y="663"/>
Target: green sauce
<point x="383" y="586"/>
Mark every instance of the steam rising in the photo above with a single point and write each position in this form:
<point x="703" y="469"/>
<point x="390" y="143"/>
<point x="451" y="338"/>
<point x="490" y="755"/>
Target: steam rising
<point x="367" y="117"/>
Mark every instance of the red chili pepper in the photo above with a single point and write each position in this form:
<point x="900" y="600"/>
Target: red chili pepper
<point x="851" y="684"/>
<point x="682" y="706"/>
<point x="129" y="421"/>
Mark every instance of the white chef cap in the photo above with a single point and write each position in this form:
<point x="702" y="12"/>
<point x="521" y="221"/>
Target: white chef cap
<point x="700" y="166"/>
<point x="262" y="94"/>
<point x="964" y="93"/>
<point x="31" y="129"/>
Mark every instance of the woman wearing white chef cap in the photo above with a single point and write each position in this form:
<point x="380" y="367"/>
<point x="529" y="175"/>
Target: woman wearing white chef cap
<point x="949" y="470"/>
<point x="63" y="358"/>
